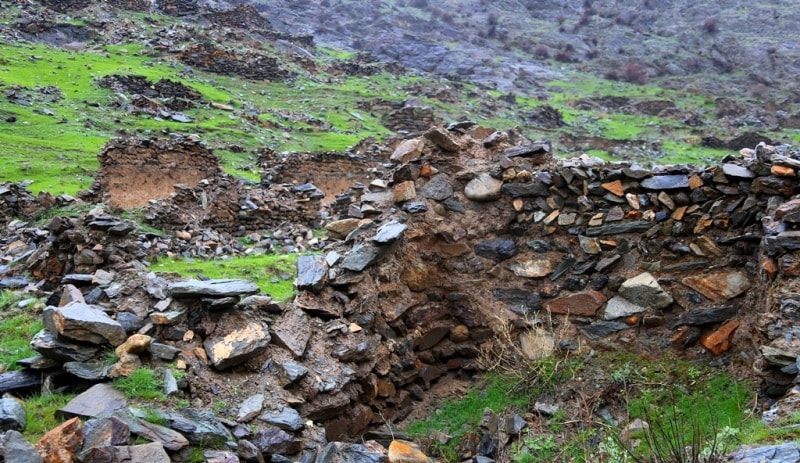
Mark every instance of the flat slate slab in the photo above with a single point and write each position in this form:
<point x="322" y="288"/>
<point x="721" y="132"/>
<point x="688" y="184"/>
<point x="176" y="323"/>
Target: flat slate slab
<point x="100" y="399"/>
<point x="215" y="288"/>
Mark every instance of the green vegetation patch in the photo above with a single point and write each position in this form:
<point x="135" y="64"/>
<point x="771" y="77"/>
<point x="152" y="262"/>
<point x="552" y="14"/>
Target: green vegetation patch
<point x="17" y="331"/>
<point x="143" y="383"/>
<point x="273" y="273"/>
<point x="41" y="410"/>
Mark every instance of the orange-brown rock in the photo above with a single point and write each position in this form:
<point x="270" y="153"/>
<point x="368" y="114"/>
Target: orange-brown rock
<point x="721" y="339"/>
<point x="614" y="187"/>
<point x="769" y="267"/>
<point x="583" y="304"/>
<point x="695" y="182"/>
<point x="783" y="171"/>
<point x="404" y="191"/>
<point x="62" y="443"/>
<point x="401" y="451"/>
<point x="136" y="344"/>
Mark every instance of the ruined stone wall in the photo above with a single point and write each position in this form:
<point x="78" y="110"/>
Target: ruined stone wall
<point x="219" y="61"/>
<point x="133" y="171"/>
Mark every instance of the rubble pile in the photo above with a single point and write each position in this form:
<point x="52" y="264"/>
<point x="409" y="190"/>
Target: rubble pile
<point x="132" y="5"/>
<point x="179" y="7"/>
<point x="243" y="16"/>
<point x="173" y="95"/>
<point x="220" y="61"/>
<point x="65" y="6"/>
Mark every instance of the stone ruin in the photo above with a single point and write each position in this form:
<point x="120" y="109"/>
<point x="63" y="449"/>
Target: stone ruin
<point x="214" y="59"/>
<point x="471" y="232"/>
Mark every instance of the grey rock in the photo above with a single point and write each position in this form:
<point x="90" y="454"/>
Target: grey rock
<point x="520" y="301"/>
<point x="340" y="452"/>
<point x="130" y="322"/>
<point x="733" y="170"/>
<point x="49" y="346"/>
<point x="81" y="322"/>
<point x="38" y="362"/>
<point x="286" y="418"/>
<point x="291" y="373"/>
<point x="163" y="351"/>
<point x="216" y="288"/>
<point x="437" y="188"/>
<point x="619" y="307"/>
<point x="249" y="452"/>
<point x="237" y="346"/>
<point x="169" y="439"/>
<point x="250" y="408"/>
<point x="151" y="453"/>
<point x="788" y="452"/>
<point x="666" y="182"/>
<point x="532" y="149"/>
<point x="220" y="456"/>
<point x="602" y="329"/>
<point x="389" y="232"/>
<point x="99" y="400"/>
<point x="274" y="440"/>
<point x="200" y="427"/>
<point x="311" y="273"/>
<point x="546" y="409"/>
<point x="497" y="249"/>
<point x="442" y="139"/>
<point x="170" y="383"/>
<point x="14" y="448"/>
<point x="360" y="257"/>
<point x="454" y="206"/>
<point x="105" y="432"/>
<point x="645" y="291"/>
<point x="483" y="188"/>
<point x="589" y="245"/>
<point x="95" y="370"/>
<point x="260" y="302"/>
<point x="415" y="207"/>
<point x="12" y="415"/>
<point x="514" y="424"/>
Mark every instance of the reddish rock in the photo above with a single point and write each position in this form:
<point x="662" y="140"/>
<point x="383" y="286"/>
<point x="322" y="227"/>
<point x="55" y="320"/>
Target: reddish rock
<point x="695" y="182"/>
<point x="614" y="187"/>
<point x="782" y="171"/>
<point x="769" y="268"/>
<point x="583" y="304"/>
<point x="721" y="339"/>
<point x="719" y="286"/>
<point x="401" y="451"/>
<point x="62" y="443"/>
<point x="404" y="192"/>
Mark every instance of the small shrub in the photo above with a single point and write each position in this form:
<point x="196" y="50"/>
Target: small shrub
<point x="635" y="74"/>
<point x="710" y="26"/>
<point x="541" y="51"/>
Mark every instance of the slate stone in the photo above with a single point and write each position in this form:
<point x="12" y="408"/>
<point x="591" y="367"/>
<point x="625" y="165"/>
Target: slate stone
<point x="437" y="188"/>
<point x="274" y="440"/>
<point x="311" y="273"/>
<point x="483" y="188"/>
<point x="46" y="344"/>
<point x="520" y="301"/>
<point x="286" y="418"/>
<point x="526" y="190"/>
<point x="589" y="245"/>
<point x="130" y="322"/>
<point x="454" y="206"/>
<point x="636" y="226"/>
<point x="169" y="439"/>
<point x="666" y="182"/>
<point x="81" y="322"/>
<point x="415" y="207"/>
<point x="703" y="316"/>
<point x="13" y="282"/>
<point x="200" y="427"/>
<point x="100" y="399"/>
<point x="15" y="448"/>
<point x="389" y="232"/>
<point x="250" y="408"/>
<point x="719" y="286"/>
<point x="104" y="432"/>
<point x="531" y="149"/>
<point x="619" y="307"/>
<point x="248" y="452"/>
<point x="215" y="288"/>
<point x="38" y="362"/>
<point x="736" y="171"/>
<point x="93" y="371"/>
<point x="292" y="331"/>
<point x="602" y="329"/>
<point x="514" y="424"/>
<point x="12" y="415"/>
<point x="361" y="256"/>
<point x="497" y="249"/>
<point x="170" y="383"/>
<point x="291" y="373"/>
<point x="237" y="346"/>
<point x="645" y="291"/>
<point x="788" y="452"/>
<point x="562" y="268"/>
<point x="163" y="351"/>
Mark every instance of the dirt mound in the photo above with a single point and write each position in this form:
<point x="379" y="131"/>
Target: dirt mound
<point x="134" y="171"/>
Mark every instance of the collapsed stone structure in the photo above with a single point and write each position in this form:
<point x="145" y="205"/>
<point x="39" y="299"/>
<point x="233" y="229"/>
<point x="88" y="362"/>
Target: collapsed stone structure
<point x="472" y="231"/>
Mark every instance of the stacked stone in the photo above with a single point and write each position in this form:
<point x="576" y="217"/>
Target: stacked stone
<point x="220" y="61"/>
<point x="179" y="7"/>
<point x="241" y="17"/>
<point x="65" y="6"/>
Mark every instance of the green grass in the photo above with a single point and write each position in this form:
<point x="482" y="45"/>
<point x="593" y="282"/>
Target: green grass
<point x="17" y="331"/>
<point x="40" y="410"/>
<point x="265" y="270"/>
<point x="457" y="417"/>
<point x="143" y="384"/>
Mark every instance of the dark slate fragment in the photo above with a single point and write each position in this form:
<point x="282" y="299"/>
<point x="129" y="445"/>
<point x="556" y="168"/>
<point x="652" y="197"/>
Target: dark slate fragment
<point x="437" y="188"/>
<point x="637" y="226"/>
<point x="360" y="257"/>
<point x="287" y="419"/>
<point x="311" y="272"/>
<point x="217" y="288"/>
<point x="389" y="232"/>
<point x="703" y="316"/>
<point x="519" y="301"/>
<point x="526" y="190"/>
<point x="602" y="329"/>
<point x="562" y="268"/>
<point x="415" y="207"/>
<point x="532" y="149"/>
<point x="497" y="249"/>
